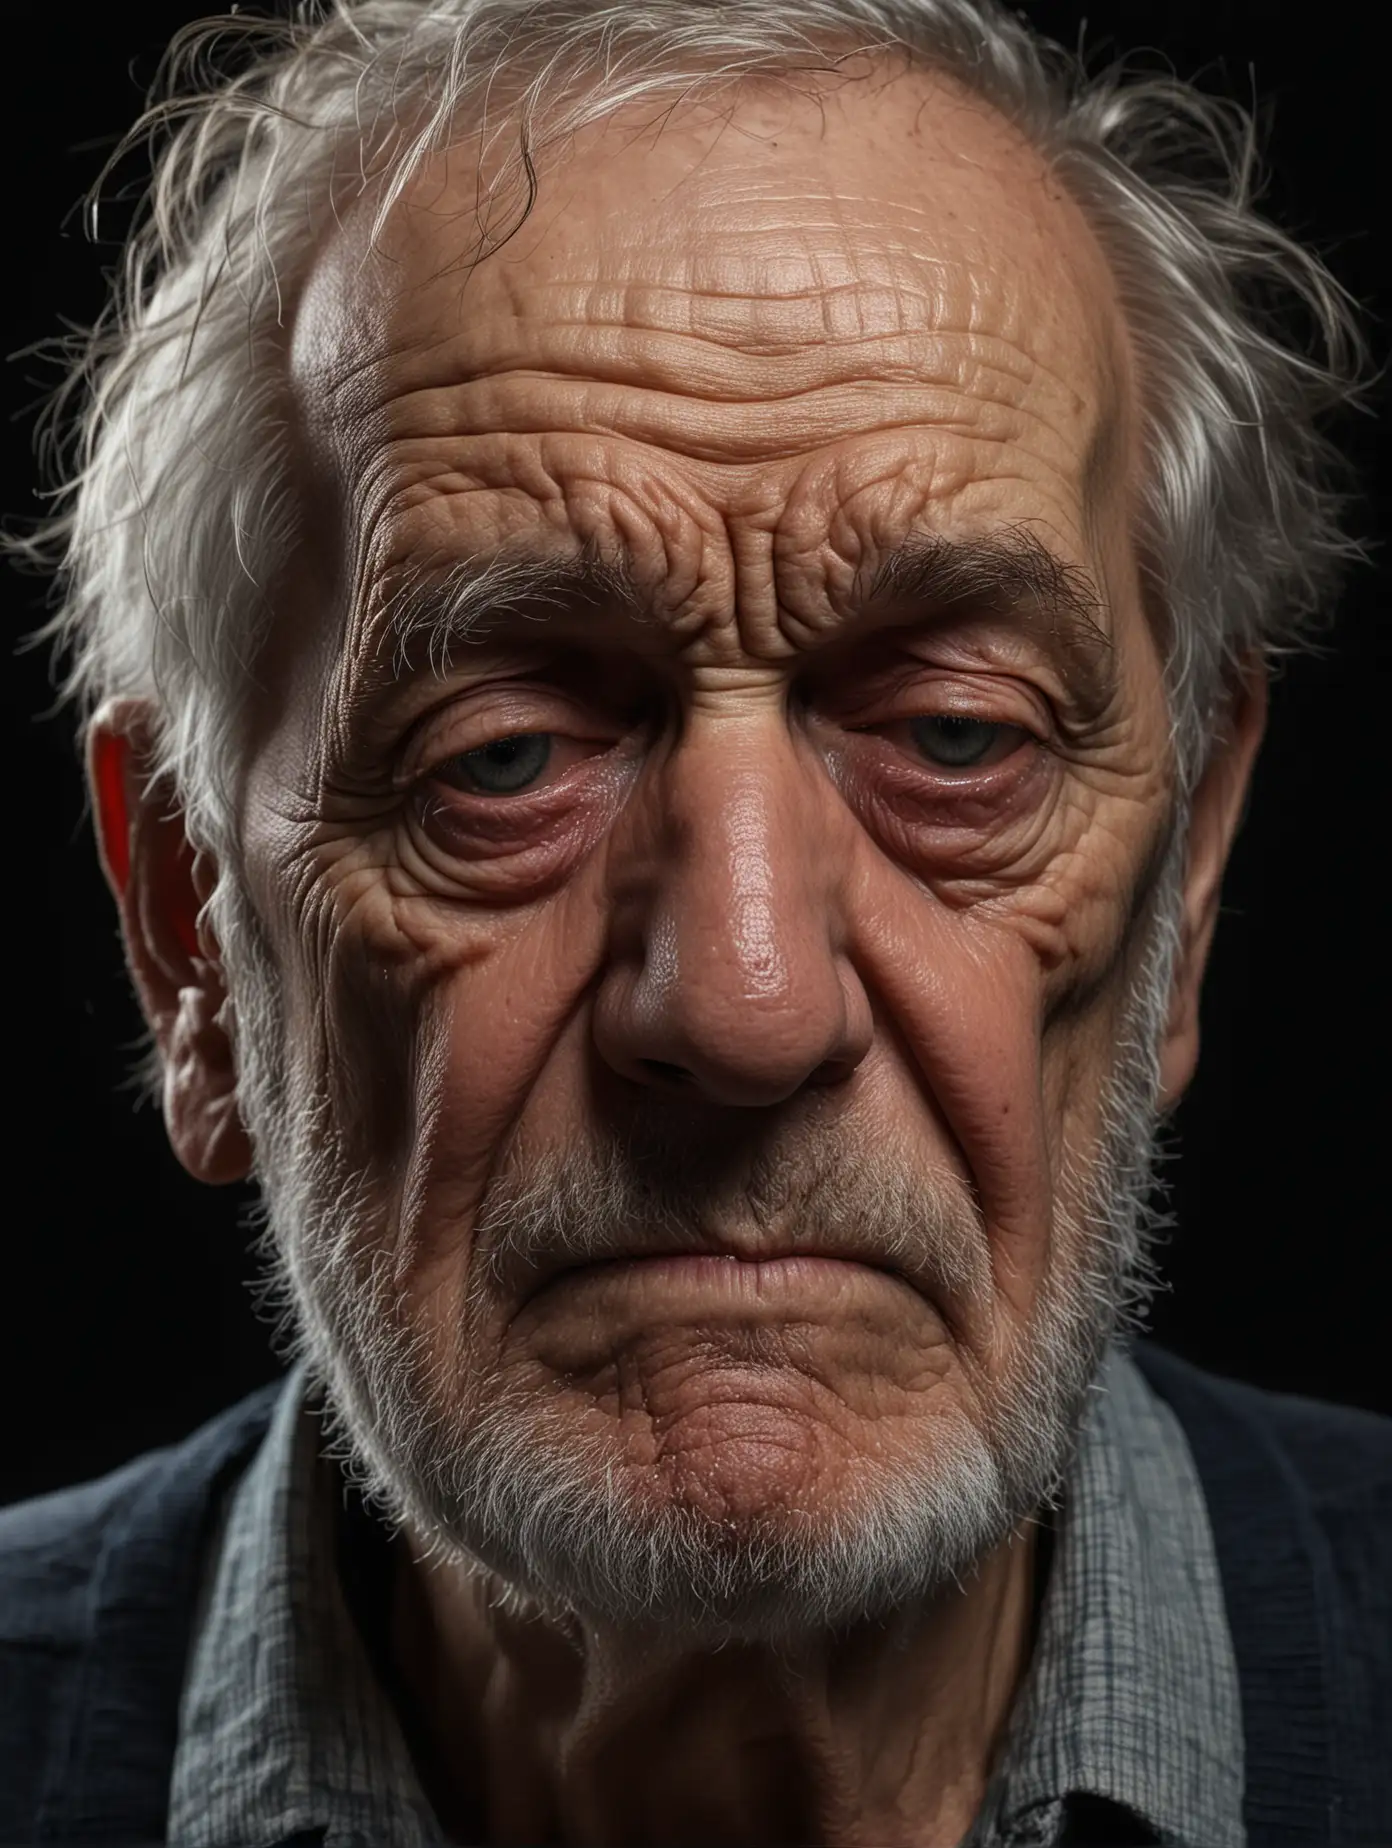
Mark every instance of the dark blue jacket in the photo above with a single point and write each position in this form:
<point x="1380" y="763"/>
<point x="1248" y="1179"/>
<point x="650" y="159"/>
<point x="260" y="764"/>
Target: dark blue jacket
<point x="97" y="1586"/>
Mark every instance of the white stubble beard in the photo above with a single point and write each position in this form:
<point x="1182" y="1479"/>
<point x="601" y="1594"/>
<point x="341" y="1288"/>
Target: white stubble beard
<point x="558" y="1522"/>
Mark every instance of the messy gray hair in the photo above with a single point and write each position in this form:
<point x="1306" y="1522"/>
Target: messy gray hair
<point x="175" y="509"/>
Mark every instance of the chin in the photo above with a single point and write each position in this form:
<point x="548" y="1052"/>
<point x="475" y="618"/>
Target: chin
<point x="750" y="1535"/>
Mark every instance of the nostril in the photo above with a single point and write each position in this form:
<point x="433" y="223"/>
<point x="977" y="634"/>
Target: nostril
<point x="665" y="1072"/>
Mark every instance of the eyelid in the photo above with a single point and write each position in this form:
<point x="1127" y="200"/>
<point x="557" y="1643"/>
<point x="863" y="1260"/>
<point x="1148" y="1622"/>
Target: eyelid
<point x="455" y="730"/>
<point x="990" y="700"/>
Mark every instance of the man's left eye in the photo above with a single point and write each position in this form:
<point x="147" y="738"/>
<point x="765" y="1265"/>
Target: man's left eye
<point x="961" y="743"/>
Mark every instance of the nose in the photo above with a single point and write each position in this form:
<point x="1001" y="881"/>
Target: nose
<point x="727" y="974"/>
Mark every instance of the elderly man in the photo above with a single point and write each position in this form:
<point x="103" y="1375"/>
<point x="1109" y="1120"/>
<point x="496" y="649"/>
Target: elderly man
<point x="671" y="602"/>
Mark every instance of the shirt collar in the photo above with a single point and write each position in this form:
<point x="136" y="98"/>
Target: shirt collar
<point x="1131" y="1694"/>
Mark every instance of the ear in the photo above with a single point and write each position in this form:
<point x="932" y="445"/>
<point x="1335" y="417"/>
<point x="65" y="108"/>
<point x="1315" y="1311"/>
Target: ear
<point x="160" y="885"/>
<point x="1215" y="815"/>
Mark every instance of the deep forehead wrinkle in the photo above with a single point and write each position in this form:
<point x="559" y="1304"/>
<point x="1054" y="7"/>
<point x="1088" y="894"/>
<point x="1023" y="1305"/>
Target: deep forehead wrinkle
<point x="1013" y="575"/>
<point x="827" y="306"/>
<point x="842" y="376"/>
<point x="867" y="268"/>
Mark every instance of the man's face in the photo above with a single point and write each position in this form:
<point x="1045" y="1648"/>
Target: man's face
<point x="700" y="982"/>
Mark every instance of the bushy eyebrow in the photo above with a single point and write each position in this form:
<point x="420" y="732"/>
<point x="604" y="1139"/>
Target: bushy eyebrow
<point x="1011" y="574"/>
<point x="429" y="614"/>
<point x="426" y="615"/>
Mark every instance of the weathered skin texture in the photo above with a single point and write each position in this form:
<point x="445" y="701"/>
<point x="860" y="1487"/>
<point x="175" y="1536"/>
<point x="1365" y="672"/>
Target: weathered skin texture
<point x="745" y="358"/>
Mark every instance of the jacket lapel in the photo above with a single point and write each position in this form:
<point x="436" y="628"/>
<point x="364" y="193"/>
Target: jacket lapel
<point x="1279" y="1588"/>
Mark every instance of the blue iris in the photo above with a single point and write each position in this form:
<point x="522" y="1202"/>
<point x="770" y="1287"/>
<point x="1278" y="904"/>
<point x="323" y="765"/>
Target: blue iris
<point x="954" y="740"/>
<point x="506" y="765"/>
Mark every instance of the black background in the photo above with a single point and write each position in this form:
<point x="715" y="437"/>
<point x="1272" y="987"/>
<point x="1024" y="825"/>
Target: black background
<point x="124" y="1319"/>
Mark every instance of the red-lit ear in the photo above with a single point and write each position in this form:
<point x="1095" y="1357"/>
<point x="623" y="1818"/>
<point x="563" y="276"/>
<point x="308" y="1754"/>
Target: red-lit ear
<point x="1215" y="816"/>
<point x="160" y="884"/>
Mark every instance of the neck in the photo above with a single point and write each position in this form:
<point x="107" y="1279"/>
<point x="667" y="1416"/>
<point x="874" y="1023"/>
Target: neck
<point x="540" y="1732"/>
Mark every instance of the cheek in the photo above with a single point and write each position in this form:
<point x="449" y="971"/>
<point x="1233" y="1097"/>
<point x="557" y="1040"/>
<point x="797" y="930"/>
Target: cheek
<point x="434" y="1045"/>
<point x="966" y="993"/>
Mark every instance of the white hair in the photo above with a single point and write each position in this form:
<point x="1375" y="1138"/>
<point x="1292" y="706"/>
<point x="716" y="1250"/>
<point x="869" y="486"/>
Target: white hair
<point x="177" y="507"/>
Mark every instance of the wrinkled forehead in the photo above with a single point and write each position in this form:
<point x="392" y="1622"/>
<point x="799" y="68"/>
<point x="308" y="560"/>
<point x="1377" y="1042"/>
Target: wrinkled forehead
<point x="760" y="271"/>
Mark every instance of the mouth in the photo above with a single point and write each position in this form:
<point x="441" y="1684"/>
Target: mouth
<point x="721" y="1272"/>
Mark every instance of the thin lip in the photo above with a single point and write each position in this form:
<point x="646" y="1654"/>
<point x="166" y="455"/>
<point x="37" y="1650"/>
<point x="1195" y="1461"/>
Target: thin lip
<point x="724" y="1249"/>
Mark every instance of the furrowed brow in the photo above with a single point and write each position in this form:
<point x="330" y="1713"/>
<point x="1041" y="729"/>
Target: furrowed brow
<point x="1014" y="575"/>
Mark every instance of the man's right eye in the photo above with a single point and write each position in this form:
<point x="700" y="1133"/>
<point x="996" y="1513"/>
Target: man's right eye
<point x="503" y="767"/>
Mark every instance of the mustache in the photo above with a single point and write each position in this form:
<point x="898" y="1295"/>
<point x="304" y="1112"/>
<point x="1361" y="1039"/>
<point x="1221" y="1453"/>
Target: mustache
<point x="818" y="1195"/>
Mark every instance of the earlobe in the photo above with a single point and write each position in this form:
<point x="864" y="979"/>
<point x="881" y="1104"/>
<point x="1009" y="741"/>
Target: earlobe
<point x="1180" y="1053"/>
<point x="160" y="884"/>
<point x="1215" y="816"/>
<point x="200" y="1089"/>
